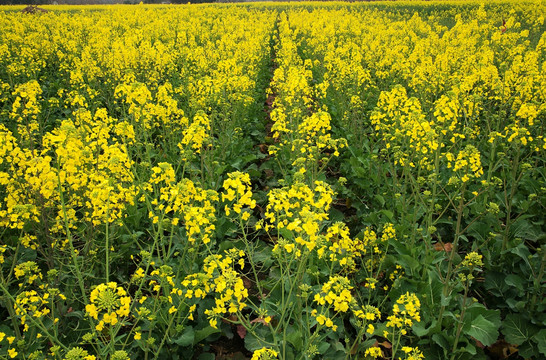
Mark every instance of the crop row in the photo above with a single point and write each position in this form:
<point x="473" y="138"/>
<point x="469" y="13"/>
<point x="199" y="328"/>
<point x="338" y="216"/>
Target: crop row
<point x="388" y="203"/>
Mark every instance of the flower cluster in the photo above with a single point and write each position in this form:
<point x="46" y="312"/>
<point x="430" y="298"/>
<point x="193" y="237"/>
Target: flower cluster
<point x="264" y="354"/>
<point x="77" y="353"/>
<point x="182" y="201"/>
<point x="3" y="249"/>
<point x="404" y="128"/>
<point x="335" y="295"/>
<point x="466" y="165"/>
<point x="405" y="312"/>
<point x="30" y="303"/>
<point x="12" y="352"/>
<point x="300" y="126"/>
<point x="109" y="304"/>
<point x="119" y="125"/>
<point x="473" y="262"/>
<point x="196" y="135"/>
<point x="29" y="271"/>
<point x="412" y="353"/>
<point x="341" y="248"/>
<point x="26" y="108"/>
<point x="79" y="159"/>
<point x="219" y="277"/>
<point x="299" y="209"/>
<point x="237" y="188"/>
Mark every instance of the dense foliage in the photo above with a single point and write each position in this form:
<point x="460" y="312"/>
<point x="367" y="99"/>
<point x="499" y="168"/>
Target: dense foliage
<point x="289" y="181"/>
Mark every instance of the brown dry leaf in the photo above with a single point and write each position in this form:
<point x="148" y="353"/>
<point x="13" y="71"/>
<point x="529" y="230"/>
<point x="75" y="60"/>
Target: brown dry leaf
<point x="259" y="320"/>
<point x="479" y="344"/>
<point x="263" y="148"/>
<point x="386" y="344"/>
<point x="354" y="349"/>
<point x="235" y="356"/>
<point x="439" y="246"/>
<point x="502" y="349"/>
<point x="241" y="331"/>
<point x="247" y="283"/>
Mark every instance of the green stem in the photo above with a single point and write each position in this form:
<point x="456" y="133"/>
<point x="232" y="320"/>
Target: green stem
<point x="36" y="323"/>
<point x="538" y="279"/>
<point x="508" y="199"/>
<point x="460" y="323"/>
<point x="447" y="279"/>
<point x="396" y="345"/>
<point x="77" y="269"/>
<point x="249" y="257"/>
<point x="107" y="247"/>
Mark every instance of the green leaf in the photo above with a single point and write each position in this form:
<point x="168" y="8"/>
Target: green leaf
<point x="540" y="339"/>
<point x="517" y="329"/>
<point x="515" y="305"/>
<point x="252" y="342"/>
<point x="202" y="334"/>
<point x="339" y="346"/>
<point x="483" y="330"/>
<point x="420" y="330"/>
<point x="206" y="356"/>
<point x="514" y="281"/>
<point x="254" y="173"/>
<point x="527" y="350"/>
<point x="523" y="229"/>
<point x="471" y="349"/>
<point x="186" y="338"/>
<point x="287" y="234"/>
<point x="389" y="214"/>
<point x="295" y="338"/>
<point x="323" y="347"/>
<point x="380" y="199"/>
<point x="494" y="282"/>
<point x="434" y="352"/>
<point x="435" y="286"/>
<point x="408" y="262"/>
<point x="336" y="215"/>
<point x="441" y="340"/>
<point x="263" y="256"/>
<point x="523" y="252"/>
<point x="477" y="309"/>
<point x="77" y="314"/>
<point x="445" y="300"/>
